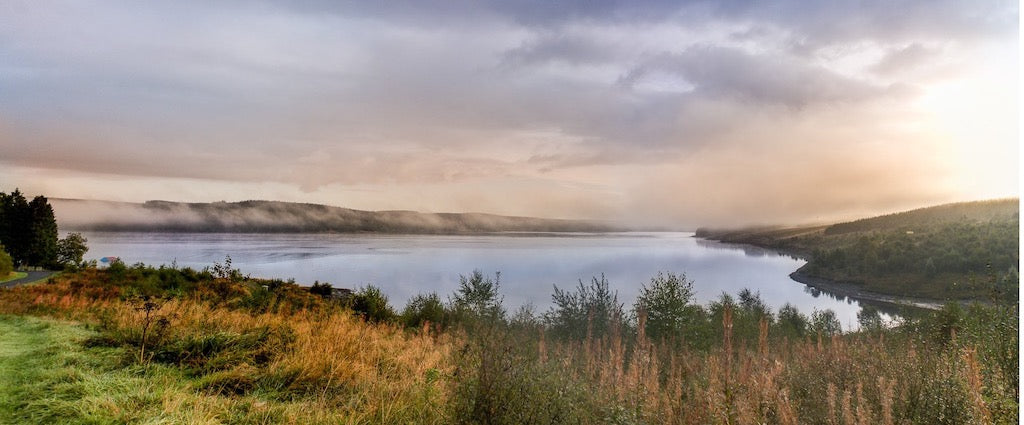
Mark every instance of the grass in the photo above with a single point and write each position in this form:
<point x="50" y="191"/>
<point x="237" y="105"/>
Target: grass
<point x="13" y="276"/>
<point x="208" y="364"/>
<point x="84" y="349"/>
<point x="48" y="376"/>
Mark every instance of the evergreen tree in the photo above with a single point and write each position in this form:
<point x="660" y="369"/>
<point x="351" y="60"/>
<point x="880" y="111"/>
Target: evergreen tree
<point x="42" y="245"/>
<point x="4" y="201"/>
<point x="15" y="226"/>
<point x="28" y="230"/>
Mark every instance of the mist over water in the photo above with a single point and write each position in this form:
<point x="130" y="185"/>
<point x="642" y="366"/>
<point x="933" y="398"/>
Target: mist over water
<point x="406" y="265"/>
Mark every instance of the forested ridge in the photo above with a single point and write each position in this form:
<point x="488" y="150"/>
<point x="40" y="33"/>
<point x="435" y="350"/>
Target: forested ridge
<point x="289" y="217"/>
<point x="967" y="250"/>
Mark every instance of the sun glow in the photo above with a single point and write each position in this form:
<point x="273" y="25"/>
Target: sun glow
<point x="975" y="121"/>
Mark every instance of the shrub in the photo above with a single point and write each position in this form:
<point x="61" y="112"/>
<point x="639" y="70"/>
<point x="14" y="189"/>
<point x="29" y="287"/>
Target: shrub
<point x="869" y="319"/>
<point x="592" y="309"/>
<point x="477" y="299"/>
<point x="371" y="304"/>
<point x="791" y="322"/>
<point x="6" y="263"/>
<point x="666" y="302"/>
<point x="825" y="323"/>
<point x="324" y="290"/>
<point x="752" y="305"/>
<point x="422" y="309"/>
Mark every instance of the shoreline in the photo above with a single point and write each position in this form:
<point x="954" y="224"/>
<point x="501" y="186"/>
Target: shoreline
<point x="842" y="289"/>
<point x="853" y="291"/>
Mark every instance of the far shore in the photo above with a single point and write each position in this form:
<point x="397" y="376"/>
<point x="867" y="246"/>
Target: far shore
<point x="845" y="289"/>
<point x="854" y="291"/>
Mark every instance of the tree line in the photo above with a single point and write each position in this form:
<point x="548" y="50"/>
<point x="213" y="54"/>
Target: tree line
<point x="29" y="234"/>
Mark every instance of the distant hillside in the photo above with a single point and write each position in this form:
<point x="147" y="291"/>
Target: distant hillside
<point x="961" y="212"/>
<point x="287" y="217"/>
<point x="967" y="250"/>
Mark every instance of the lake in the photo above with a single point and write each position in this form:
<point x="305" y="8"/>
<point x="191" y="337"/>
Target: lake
<point x="530" y="264"/>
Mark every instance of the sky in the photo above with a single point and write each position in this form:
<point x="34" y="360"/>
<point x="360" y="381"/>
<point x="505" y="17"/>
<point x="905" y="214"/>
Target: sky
<point x="671" y="113"/>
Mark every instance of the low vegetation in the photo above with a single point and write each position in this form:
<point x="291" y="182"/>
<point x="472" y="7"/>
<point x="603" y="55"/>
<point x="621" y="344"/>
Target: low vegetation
<point x="144" y="344"/>
<point x="6" y="264"/>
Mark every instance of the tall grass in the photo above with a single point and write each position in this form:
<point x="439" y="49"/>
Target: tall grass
<point x="244" y="351"/>
<point x="855" y="379"/>
<point x="322" y="364"/>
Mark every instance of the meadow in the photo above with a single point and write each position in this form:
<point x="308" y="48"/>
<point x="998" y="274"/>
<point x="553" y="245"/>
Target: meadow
<point x="169" y="345"/>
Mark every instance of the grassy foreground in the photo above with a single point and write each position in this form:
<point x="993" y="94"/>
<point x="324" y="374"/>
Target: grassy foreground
<point x="145" y="345"/>
<point x="50" y="374"/>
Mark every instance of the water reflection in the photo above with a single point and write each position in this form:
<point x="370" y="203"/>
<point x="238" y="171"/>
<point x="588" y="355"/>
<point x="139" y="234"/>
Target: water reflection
<point x="748" y="250"/>
<point x="530" y="265"/>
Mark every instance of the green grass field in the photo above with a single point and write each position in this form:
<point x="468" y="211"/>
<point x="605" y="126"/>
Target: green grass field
<point x="48" y="376"/>
<point x="12" y="276"/>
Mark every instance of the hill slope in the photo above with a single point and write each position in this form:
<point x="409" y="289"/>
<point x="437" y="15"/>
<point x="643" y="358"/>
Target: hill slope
<point x="285" y="217"/>
<point x="967" y="250"/>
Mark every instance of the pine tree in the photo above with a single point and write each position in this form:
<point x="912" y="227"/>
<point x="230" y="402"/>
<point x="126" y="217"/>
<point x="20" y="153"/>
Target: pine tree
<point x="28" y="229"/>
<point x="42" y="249"/>
<point x="15" y="226"/>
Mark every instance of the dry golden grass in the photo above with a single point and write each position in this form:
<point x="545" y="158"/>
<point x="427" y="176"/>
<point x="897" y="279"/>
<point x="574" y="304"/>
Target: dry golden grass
<point x="849" y="380"/>
<point x="332" y="368"/>
<point x="324" y="365"/>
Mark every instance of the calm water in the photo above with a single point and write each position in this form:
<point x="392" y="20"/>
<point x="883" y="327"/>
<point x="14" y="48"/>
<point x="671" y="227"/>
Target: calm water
<point x="404" y="266"/>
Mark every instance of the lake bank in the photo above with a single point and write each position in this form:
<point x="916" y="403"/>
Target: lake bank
<point x="842" y="289"/>
<point x="852" y="290"/>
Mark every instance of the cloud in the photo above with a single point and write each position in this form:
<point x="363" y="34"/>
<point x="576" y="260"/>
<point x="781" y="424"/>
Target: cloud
<point x="433" y="98"/>
<point x="571" y="49"/>
<point x="766" y="78"/>
<point x="904" y="59"/>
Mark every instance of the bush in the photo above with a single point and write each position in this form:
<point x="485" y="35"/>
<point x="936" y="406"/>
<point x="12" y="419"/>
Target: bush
<point x="791" y="323"/>
<point x="592" y="309"/>
<point x="748" y="309"/>
<point x="372" y="305"/>
<point x="324" y="290"/>
<point x="869" y="319"/>
<point x="666" y="302"/>
<point x="116" y="272"/>
<point x="6" y="263"/>
<point x="477" y="299"/>
<point x="825" y="323"/>
<point x="423" y="309"/>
